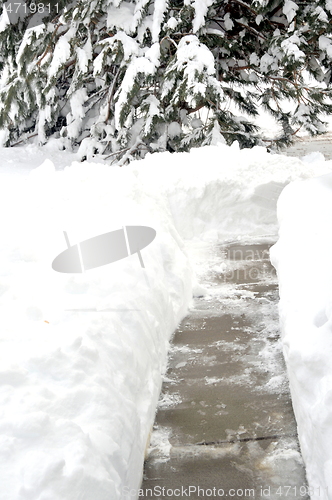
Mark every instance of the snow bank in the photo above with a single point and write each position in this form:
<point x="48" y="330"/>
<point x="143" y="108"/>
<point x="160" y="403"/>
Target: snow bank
<point x="219" y="193"/>
<point x="79" y="386"/>
<point x="83" y="355"/>
<point x="303" y="261"/>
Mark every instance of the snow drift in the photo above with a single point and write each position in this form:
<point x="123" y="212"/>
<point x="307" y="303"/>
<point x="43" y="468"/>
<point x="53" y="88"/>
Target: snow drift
<point x="83" y="355"/>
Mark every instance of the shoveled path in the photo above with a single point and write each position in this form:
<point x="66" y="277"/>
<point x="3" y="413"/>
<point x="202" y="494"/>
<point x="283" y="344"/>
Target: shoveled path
<point x="225" y="425"/>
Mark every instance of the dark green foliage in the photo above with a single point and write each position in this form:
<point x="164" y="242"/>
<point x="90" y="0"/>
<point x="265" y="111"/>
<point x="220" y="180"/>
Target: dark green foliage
<point x="123" y="78"/>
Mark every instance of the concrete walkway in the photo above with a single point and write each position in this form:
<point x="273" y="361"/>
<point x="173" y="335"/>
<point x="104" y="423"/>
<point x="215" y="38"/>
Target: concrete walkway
<point x="225" y="425"/>
<point x="306" y="145"/>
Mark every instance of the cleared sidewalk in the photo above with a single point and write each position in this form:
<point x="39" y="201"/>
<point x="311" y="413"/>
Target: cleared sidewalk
<point x="225" y="425"/>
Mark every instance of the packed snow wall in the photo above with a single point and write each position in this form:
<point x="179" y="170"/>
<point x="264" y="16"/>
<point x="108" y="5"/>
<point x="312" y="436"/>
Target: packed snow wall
<point x="82" y="354"/>
<point x="303" y="259"/>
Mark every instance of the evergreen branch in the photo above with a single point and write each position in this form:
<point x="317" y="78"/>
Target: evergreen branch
<point x="130" y="151"/>
<point x="240" y="68"/>
<point x="276" y="100"/>
<point x="277" y="8"/>
<point x="48" y="48"/>
<point x="176" y="83"/>
<point x="23" y="140"/>
<point x="169" y="39"/>
<point x="197" y="108"/>
<point x="265" y="18"/>
<point x="244" y="4"/>
<point x="69" y="63"/>
<point x="117" y="153"/>
<point x="218" y="22"/>
<point x="257" y="33"/>
<point x="285" y="79"/>
<point x="111" y="93"/>
<point x="127" y="152"/>
<point x="278" y="139"/>
<point x="317" y="35"/>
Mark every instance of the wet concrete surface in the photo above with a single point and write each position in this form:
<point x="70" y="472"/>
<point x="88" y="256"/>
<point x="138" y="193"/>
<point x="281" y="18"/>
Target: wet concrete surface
<point x="225" y="425"/>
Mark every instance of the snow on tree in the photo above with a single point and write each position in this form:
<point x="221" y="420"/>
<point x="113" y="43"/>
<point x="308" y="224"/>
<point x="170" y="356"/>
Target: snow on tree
<point x="125" y="77"/>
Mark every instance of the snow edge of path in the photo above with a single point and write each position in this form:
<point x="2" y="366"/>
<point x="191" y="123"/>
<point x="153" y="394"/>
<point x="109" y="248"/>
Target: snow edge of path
<point x="302" y="257"/>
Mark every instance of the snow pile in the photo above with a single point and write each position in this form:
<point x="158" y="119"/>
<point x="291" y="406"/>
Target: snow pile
<point x="83" y="355"/>
<point x="79" y="386"/>
<point x="219" y="193"/>
<point x="302" y="258"/>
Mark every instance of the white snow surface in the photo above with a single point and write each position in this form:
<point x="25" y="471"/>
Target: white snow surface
<point x="289" y="9"/>
<point x="302" y="257"/>
<point x="83" y="355"/>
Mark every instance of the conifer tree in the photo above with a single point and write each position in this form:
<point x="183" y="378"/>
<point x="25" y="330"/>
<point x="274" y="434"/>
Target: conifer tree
<point x="121" y="78"/>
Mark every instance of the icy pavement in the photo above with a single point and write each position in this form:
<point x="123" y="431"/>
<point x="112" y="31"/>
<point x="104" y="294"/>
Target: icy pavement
<point x="225" y="425"/>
